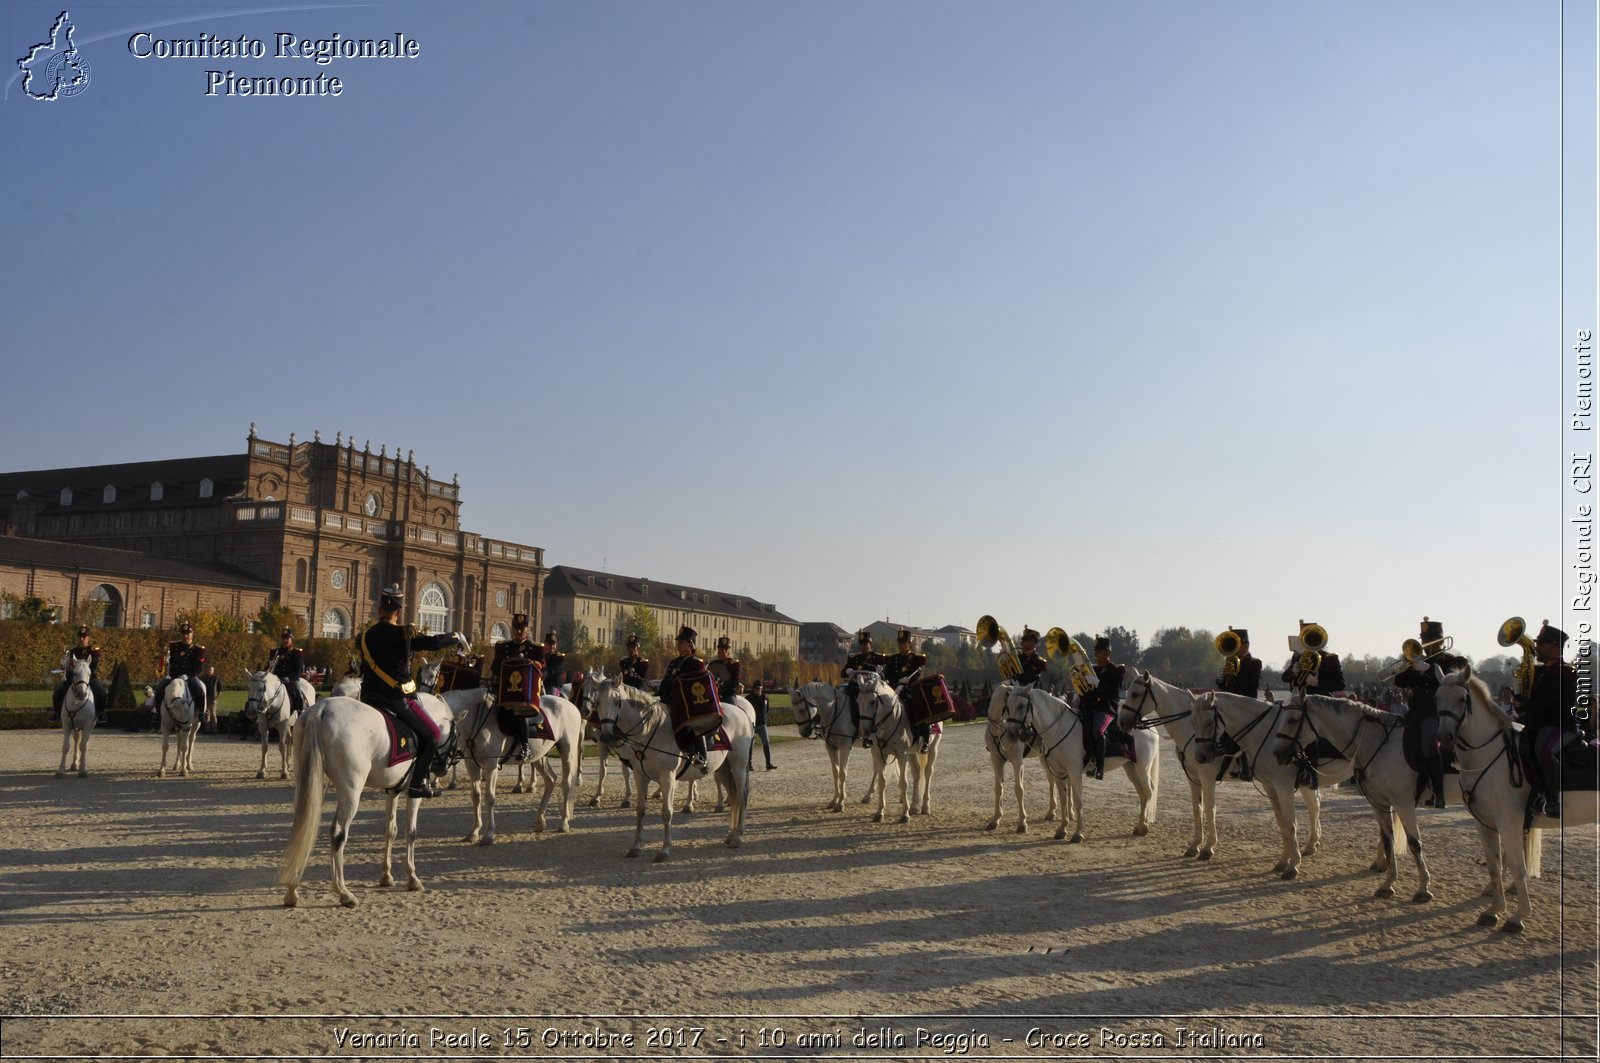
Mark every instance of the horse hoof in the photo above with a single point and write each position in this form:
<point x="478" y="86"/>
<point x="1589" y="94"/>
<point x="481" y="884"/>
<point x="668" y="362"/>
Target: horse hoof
<point x="661" y="858"/>
<point x="991" y="825"/>
<point x="632" y="853"/>
<point x="1487" y="919"/>
<point x="1421" y="897"/>
<point x="1512" y="927"/>
<point x="283" y="775"/>
<point x="415" y="886"/>
<point x="452" y="786"/>
<point x="878" y="818"/>
<point x="487" y="839"/>
<point x="594" y="802"/>
<point x="1384" y="891"/>
<point x="905" y="817"/>
<point x="347" y="901"/>
<point x="83" y="774"/>
<point x="625" y="803"/>
<point x="61" y="775"/>
<point x="291" y="899"/>
<point x="1205" y="854"/>
<point x="733" y="843"/>
<point x="261" y="775"/>
<point x="1022" y="828"/>
<point x="1290" y="873"/>
<point x="1280" y="867"/>
<point x="1140" y="831"/>
<point x="1076" y="839"/>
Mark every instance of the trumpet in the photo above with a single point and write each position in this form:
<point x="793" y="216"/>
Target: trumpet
<point x="1229" y="644"/>
<point x="1514" y="632"/>
<point x="1411" y="651"/>
<point x="990" y="632"/>
<point x="1057" y="643"/>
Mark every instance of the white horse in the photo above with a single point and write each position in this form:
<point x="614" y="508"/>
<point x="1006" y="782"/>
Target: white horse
<point x="1371" y="740"/>
<point x="77" y="720"/>
<point x="586" y="697"/>
<point x="1036" y="714"/>
<point x="1150" y="702"/>
<point x="1003" y="750"/>
<point x="1253" y="724"/>
<point x="1495" y="790"/>
<point x="180" y="716"/>
<point x="885" y="727"/>
<point x="640" y="728"/>
<point x="267" y="699"/>
<point x="485" y="747"/>
<point x="822" y="710"/>
<point x="346" y="743"/>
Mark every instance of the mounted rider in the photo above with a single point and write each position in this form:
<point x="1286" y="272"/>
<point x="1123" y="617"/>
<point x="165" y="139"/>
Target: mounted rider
<point x="385" y="650"/>
<point x="84" y="650"/>
<point x="1034" y="666"/>
<point x="864" y="660"/>
<point x="726" y="669"/>
<point x="554" y="661"/>
<point x="1311" y="670"/>
<point x="288" y="663"/>
<point x="1097" y="708"/>
<point x="635" y="666"/>
<point x="1421" y="728"/>
<point x="518" y="647"/>
<point x="1241" y="675"/>
<point x="1547" y="717"/>
<point x="185" y="663"/>
<point x="906" y="667"/>
<point x="687" y="667"/>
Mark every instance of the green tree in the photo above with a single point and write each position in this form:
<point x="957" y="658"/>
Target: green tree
<point x="642" y="621"/>
<point x="275" y="616"/>
<point x="119" y="695"/>
<point x="208" y="624"/>
<point x="31" y="610"/>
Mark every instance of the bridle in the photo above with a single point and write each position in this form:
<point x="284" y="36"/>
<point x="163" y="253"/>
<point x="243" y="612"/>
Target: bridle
<point x="258" y="701"/>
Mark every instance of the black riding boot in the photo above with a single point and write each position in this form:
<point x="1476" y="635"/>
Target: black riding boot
<point x="419" y="785"/>
<point x="519" y="750"/>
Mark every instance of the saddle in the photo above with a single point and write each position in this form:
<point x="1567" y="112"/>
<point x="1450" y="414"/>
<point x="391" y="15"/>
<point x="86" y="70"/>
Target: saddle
<point x="1580" y="762"/>
<point x="1119" y="743"/>
<point x="403" y="737"/>
<point x="539" y="729"/>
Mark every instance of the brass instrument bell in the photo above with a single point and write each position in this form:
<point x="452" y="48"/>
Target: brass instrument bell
<point x="990" y="632"/>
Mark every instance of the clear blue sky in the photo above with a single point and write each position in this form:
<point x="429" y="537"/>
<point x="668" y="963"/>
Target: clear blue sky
<point x="1077" y="313"/>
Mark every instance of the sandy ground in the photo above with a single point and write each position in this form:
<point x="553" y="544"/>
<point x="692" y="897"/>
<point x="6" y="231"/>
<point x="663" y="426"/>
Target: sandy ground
<point x="140" y="918"/>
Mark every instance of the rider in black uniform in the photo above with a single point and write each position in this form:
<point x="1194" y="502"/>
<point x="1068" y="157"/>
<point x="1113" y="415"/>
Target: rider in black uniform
<point x="518" y="645"/>
<point x="289" y="665"/>
<point x="902" y="668"/>
<point x="385" y="649"/>
<point x="862" y="659"/>
<point x="634" y="667"/>
<point x="83" y="651"/>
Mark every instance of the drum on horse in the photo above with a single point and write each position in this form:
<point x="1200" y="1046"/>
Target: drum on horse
<point x="822" y="711"/>
<point x="485" y="747"/>
<point x="1370" y="740"/>
<point x="1152" y="702"/>
<point x="1003" y="750"/>
<point x="639" y="728"/>
<point x="1032" y="714"/>
<point x="887" y="730"/>
<point x="1495" y="789"/>
<point x="267" y="700"/>
<point x="345" y="742"/>
<point x="77" y="720"/>
<point x="180" y="718"/>
<point x="1253" y="724"/>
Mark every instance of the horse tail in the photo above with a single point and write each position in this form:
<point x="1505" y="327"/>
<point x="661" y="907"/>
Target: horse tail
<point x="1533" y="850"/>
<point x="308" y="789"/>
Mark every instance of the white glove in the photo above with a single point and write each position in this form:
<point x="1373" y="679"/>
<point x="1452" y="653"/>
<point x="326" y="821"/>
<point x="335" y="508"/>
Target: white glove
<point x="1421" y="664"/>
<point x="461" y="640"/>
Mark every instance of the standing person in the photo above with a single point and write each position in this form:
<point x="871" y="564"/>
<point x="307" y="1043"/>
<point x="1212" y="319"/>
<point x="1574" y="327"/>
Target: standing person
<point x="213" y="688"/>
<point x="864" y="659"/>
<point x="684" y="666"/>
<point x="1421" y="721"/>
<point x="385" y="650"/>
<point x="635" y="667"/>
<point x="288" y="663"/>
<point x="905" y="667"/>
<point x="726" y="668"/>
<point x="83" y="650"/>
<point x="1034" y="666"/>
<point x="1548" y="723"/>
<point x="518" y="645"/>
<point x="186" y="663"/>
<point x="758" y="701"/>
<point x="554" y="660"/>
<point x="1098" y="707"/>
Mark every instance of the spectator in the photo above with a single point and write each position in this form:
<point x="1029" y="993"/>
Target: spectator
<point x="758" y="701"/>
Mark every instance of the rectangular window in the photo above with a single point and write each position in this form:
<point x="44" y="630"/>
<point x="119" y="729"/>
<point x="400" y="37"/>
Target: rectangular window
<point x="147" y="620"/>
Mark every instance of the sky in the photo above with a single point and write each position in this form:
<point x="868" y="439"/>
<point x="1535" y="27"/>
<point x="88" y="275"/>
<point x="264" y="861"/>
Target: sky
<point x="1075" y="313"/>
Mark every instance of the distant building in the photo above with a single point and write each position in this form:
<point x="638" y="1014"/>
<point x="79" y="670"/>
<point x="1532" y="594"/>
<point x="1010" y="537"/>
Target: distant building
<point x="955" y="636"/>
<point x="883" y="634"/>
<point x="322" y="526"/>
<point x="823" y="641"/>
<point x="598" y="604"/>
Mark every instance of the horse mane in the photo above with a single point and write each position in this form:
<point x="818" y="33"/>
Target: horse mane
<point x="1480" y="693"/>
<point x="1351" y="705"/>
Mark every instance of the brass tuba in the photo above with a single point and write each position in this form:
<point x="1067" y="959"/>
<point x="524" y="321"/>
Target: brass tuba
<point x="989" y="633"/>
<point x="1057" y="643"/>
<point x="1514" y="632"/>
<point x="1313" y="637"/>
<point x="1229" y="644"/>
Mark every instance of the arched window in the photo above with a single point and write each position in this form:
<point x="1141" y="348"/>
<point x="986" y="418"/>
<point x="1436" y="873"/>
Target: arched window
<point x="66" y="496"/>
<point x="156" y="491"/>
<point x="300" y="575"/>
<point x="433" y="608"/>
<point x="109" y="600"/>
<point x="206" y="487"/>
<point x="108" y="493"/>
<point x="334" y="624"/>
<point x="500" y="633"/>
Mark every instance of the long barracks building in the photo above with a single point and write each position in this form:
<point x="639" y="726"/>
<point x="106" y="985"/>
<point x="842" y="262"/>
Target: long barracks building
<point x="323" y="525"/>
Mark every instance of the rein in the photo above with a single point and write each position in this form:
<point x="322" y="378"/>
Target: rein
<point x="1507" y="739"/>
<point x="1389" y="730"/>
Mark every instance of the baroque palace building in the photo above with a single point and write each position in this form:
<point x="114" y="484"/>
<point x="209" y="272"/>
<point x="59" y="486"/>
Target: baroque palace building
<point x="319" y="526"/>
<point x="598" y="604"/>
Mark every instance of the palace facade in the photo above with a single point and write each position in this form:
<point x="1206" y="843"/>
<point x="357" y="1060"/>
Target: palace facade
<point x="321" y="526"/>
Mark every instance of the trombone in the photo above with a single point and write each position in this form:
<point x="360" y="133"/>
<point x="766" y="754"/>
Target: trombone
<point x="1410" y="651"/>
<point x="990" y="632"/>
<point x="1057" y="643"/>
